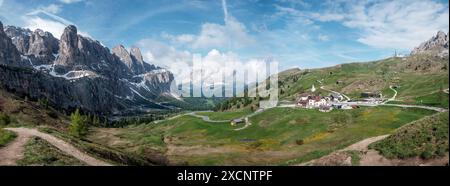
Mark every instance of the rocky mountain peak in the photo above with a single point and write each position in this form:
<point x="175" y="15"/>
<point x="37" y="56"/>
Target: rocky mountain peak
<point x="133" y="59"/>
<point x="136" y="53"/>
<point x="9" y="55"/>
<point x="441" y="34"/>
<point x="37" y="48"/>
<point x="79" y="72"/>
<point x="123" y="54"/>
<point x="68" y="52"/>
<point x="438" y="45"/>
<point x="69" y="38"/>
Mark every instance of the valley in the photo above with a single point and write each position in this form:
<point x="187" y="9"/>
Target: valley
<point x="73" y="102"/>
<point x="278" y="136"/>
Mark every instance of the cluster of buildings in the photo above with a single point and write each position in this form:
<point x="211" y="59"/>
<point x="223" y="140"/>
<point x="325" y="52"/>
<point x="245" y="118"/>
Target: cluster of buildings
<point x="323" y="103"/>
<point x="372" y="97"/>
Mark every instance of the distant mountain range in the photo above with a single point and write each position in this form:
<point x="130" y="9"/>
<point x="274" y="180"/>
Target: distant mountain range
<point x="78" y="72"/>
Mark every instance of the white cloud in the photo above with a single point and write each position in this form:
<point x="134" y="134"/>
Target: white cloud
<point x="180" y="62"/>
<point x="1" y="3"/>
<point x="225" y="9"/>
<point x="327" y="16"/>
<point x="322" y="37"/>
<point x="178" y="39"/>
<point x="40" y="19"/>
<point x="56" y="28"/>
<point x="232" y="34"/>
<point x="161" y="54"/>
<point x="293" y="15"/>
<point x="297" y="3"/>
<point x="52" y="8"/>
<point x="400" y="24"/>
<point x="70" y="1"/>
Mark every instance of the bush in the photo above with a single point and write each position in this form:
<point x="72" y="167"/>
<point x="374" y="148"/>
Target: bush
<point x="6" y="137"/>
<point x="299" y="142"/>
<point x="78" y="124"/>
<point x="4" y="119"/>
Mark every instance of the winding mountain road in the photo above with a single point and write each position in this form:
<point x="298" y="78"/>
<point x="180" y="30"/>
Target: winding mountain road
<point x="14" y="151"/>
<point x="394" y="96"/>
<point x="438" y="109"/>
<point x="206" y="118"/>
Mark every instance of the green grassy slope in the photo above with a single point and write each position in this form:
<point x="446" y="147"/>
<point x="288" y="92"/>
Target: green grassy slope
<point x="21" y="112"/>
<point x="417" y="76"/>
<point x="277" y="136"/>
<point x="426" y="138"/>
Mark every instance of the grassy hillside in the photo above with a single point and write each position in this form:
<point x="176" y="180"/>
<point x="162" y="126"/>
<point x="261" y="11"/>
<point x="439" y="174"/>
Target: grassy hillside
<point x="20" y="112"/>
<point x="39" y="152"/>
<point x="23" y="112"/>
<point x="103" y="152"/>
<point x="416" y="76"/>
<point x="277" y="136"/>
<point x="426" y="138"/>
<point x="420" y="80"/>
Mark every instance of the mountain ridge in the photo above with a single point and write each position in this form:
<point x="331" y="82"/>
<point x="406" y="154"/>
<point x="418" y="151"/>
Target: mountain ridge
<point x="79" y="72"/>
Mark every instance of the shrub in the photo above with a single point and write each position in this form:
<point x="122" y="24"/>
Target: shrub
<point x="4" y="119"/>
<point x="299" y="142"/>
<point x="6" y="137"/>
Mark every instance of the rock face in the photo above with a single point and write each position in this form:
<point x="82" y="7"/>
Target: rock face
<point x="36" y="47"/>
<point x="133" y="59"/>
<point x="9" y="55"/>
<point x="78" y="72"/>
<point x="437" y="46"/>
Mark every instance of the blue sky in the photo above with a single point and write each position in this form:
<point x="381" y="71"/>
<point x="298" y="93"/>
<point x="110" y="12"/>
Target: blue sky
<point x="297" y="33"/>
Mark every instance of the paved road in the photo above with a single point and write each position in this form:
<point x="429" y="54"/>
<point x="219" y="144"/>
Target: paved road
<point x="171" y="118"/>
<point x="419" y="106"/>
<point x="206" y="118"/>
<point x="14" y="151"/>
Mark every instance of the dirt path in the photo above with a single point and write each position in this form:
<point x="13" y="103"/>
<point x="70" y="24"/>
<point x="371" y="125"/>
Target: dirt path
<point x="393" y="97"/>
<point x="364" y="144"/>
<point x="244" y="127"/>
<point x="370" y="157"/>
<point x="342" y="158"/>
<point x="13" y="152"/>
